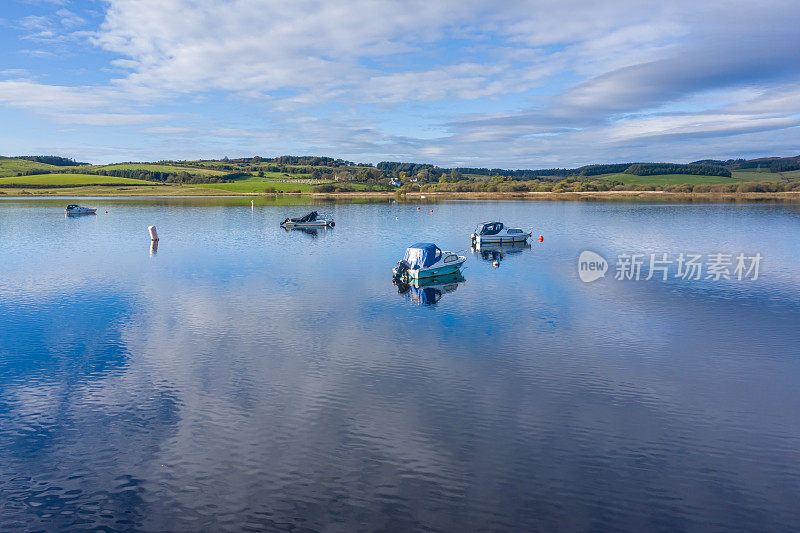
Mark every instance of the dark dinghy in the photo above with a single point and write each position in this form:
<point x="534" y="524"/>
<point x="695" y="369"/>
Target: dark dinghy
<point x="311" y="220"/>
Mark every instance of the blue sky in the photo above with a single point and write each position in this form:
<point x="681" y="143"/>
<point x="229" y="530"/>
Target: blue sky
<point x="529" y="84"/>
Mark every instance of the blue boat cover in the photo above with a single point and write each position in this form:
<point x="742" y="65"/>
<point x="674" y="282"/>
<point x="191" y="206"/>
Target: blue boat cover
<point x="491" y="228"/>
<point x="422" y="254"/>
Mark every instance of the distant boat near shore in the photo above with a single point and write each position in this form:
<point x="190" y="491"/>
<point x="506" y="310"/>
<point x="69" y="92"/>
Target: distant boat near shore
<point x="73" y="209"/>
<point x="311" y="220"/>
<point x="498" y="233"/>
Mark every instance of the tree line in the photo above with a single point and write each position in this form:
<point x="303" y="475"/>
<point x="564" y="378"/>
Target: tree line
<point x="654" y="169"/>
<point x="52" y="160"/>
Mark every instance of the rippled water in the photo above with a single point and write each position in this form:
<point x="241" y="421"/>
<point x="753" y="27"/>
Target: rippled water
<point x="246" y="377"/>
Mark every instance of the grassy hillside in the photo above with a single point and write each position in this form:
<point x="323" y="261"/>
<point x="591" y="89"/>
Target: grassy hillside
<point x="255" y="186"/>
<point x="158" y="167"/>
<point x="261" y="185"/>
<point x="65" y="180"/>
<point x="93" y="185"/>
<point x="11" y="167"/>
<point x="667" y="179"/>
<point x="242" y="186"/>
<point x="678" y="179"/>
<point x="754" y="175"/>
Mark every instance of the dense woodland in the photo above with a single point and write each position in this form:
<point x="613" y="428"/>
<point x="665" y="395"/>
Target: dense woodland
<point x="655" y="169"/>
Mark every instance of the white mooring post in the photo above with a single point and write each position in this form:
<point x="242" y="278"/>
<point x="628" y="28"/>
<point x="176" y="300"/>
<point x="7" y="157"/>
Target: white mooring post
<point x="153" y="233"/>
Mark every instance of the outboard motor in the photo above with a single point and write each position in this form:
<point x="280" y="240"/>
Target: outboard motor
<point x="402" y="268"/>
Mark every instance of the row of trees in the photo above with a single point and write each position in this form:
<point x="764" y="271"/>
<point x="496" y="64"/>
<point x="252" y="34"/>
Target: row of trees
<point x="773" y="164"/>
<point x="52" y="160"/>
<point x="424" y="173"/>
<point x="303" y="160"/>
<point x="785" y="165"/>
<point x="654" y="169"/>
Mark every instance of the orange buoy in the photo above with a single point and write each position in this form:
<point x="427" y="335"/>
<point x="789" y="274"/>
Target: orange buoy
<point x="541" y="239"/>
<point x="106" y="212"/>
<point x="431" y="210"/>
<point x="495" y="264"/>
<point x="418" y="209"/>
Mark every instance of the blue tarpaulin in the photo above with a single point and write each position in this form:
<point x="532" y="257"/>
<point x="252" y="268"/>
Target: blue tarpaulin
<point x="422" y="254"/>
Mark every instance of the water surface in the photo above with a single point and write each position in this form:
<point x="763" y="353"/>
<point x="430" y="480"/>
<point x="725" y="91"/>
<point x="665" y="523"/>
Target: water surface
<point x="241" y="376"/>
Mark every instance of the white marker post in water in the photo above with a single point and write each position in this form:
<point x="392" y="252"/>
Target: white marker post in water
<point x="153" y="233"/>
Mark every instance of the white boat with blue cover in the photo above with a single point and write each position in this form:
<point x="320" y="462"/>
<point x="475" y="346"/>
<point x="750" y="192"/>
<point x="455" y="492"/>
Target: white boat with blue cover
<point x="498" y="233"/>
<point x="73" y="209"/>
<point x="426" y="260"/>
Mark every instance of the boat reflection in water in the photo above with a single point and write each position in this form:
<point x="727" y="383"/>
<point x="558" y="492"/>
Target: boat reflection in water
<point x="498" y="252"/>
<point x="428" y="291"/>
<point x="313" y="232"/>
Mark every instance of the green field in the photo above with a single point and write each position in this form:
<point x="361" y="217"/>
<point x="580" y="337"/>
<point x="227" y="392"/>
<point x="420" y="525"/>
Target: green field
<point x="250" y="186"/>
<point x="258" y="185"/>
<point x="752" y="175"/>
<point x="92" y="185"/>
<point x="253" y="185"/>
<point x="157" y="167"/>
<point x="283" y="176"/>
<point x="678" y="179"/>
<point x="693" y="179"/>
<point x="667" y="179"/>
<point x="65" y="180"/>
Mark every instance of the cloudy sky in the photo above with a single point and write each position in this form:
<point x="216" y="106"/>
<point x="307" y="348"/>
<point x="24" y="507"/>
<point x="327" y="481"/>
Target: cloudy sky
<point x="524" y="84"/>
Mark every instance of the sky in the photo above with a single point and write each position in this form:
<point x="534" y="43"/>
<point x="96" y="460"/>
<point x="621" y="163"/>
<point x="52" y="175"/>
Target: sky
<point x="518" y="84"/>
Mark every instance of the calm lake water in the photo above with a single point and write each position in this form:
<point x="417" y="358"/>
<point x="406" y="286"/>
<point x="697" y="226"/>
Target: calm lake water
<point x="245" y="377"/>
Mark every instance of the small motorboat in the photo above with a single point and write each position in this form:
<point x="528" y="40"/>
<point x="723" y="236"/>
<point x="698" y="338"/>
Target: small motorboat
<point x="496" y="232"/>
<point x="311" y="220"/>
<point x="79" y="210"/>
<point x="426" y="260"/>
<point x="429" y="291"/>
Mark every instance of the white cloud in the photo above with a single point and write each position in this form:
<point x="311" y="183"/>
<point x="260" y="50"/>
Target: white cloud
<point x="465" y="81"/>
<point x="553" y="75"/>
<point x="68" y="19"/>
<point x="35" y="22"/>
<point x="108" y="119"/>
<point x="29" y="94"/>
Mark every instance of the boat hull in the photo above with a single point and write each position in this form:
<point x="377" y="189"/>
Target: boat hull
<point x="83" y="212"/>
<point x="502" y="239"/>
<point x="318" y="224"/>
<point x="435" y="270"/>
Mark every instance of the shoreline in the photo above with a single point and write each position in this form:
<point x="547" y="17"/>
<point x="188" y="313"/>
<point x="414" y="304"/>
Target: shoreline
<point x="194" y="192"/>
<point x="792" y="196"/>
